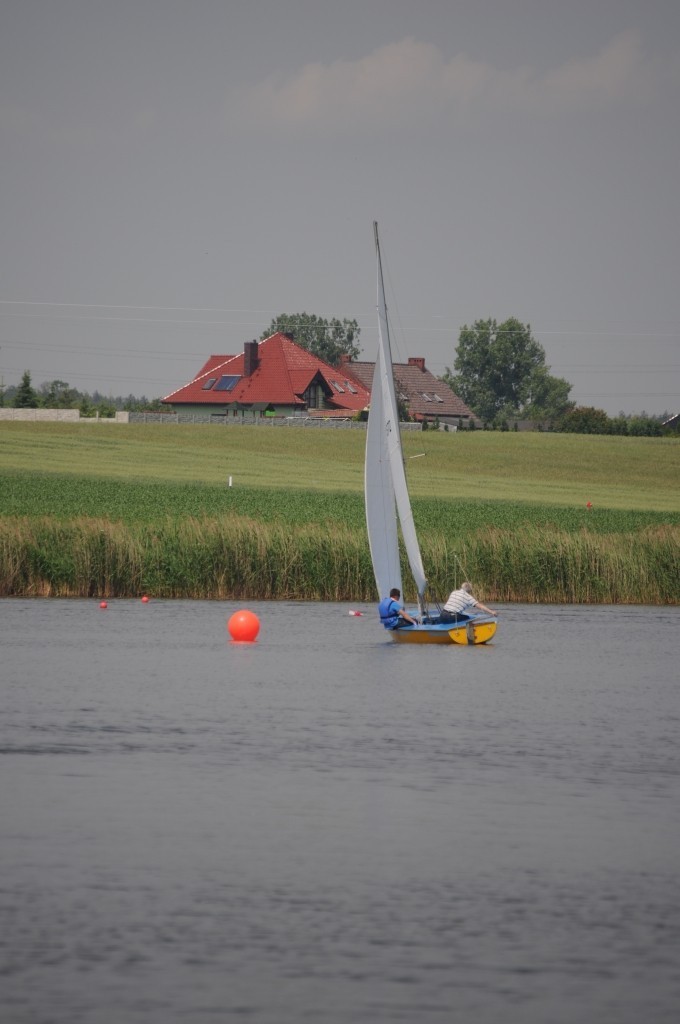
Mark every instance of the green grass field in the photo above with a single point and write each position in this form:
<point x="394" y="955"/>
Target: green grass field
<point x="552" y="469"/>
<point x="112" y="509"/>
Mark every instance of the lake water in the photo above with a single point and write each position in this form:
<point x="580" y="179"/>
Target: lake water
<point x="325" y="826"/>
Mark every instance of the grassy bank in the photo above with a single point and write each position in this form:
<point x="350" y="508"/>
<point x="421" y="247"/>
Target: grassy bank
<point x="67" y="497"/>
<point x="552" y="469"/>
<point x="117" y="511"/>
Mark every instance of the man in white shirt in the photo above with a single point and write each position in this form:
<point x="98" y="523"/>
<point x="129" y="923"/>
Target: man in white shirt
<point x="460" y="602"/>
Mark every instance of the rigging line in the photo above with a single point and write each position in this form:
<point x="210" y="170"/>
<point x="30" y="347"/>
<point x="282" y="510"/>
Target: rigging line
<point x="399" y="336"/>
<point x="462" y="568"/>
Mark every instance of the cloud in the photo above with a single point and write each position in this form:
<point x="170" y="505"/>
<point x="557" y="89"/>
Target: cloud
<point x="412" y="81"/>
<point x="617" y="72"/>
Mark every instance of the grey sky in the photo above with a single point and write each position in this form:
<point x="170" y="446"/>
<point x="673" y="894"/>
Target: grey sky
<point x="175" y="174"/>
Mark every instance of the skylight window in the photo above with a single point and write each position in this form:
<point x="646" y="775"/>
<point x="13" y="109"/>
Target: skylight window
<point x="436" y="397"/>
<point x="426" y="397"/>
<point x="351" y="388"/>
<point x="227" y="383"/>
<point x="337" y="387"/>
<point x="209" y="383"/>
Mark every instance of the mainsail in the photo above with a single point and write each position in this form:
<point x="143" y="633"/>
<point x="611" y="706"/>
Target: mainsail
<point x="385" y="479"/>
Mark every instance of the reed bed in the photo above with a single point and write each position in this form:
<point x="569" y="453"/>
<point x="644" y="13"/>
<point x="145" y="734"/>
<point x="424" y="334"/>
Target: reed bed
<point x="235" y="558"/>
<point x="539" y="564"/>
<point x="225" y="559"/>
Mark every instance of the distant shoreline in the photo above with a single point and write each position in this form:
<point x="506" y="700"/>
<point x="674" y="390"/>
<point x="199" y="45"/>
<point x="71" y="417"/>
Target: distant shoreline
<point x="528" y="518"/>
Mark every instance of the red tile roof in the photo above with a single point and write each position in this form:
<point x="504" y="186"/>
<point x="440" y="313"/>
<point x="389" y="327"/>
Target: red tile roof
<point x="283" y="373"/>
<point x="423" y="393"/>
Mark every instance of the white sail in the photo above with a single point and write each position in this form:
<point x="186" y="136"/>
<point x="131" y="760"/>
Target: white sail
<point x="385" y="479"/>
<point x="381" y="513"/>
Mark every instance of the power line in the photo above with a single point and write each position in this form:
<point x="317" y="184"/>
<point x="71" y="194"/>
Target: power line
<point x="612" y="332"/>
<point x="159" y="382"/>
<point x="138" y="353"/>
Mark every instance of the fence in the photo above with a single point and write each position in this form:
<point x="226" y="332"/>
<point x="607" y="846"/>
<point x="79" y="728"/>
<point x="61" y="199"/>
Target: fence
<point x="263" y="421"/>
<point x="59" y="416"/>
<point x="173" y="418"/>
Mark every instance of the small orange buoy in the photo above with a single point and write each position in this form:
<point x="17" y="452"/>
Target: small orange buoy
<point x="244" y="626"/>
<point x="588" y="505"/>
<point x="145" y="600"/>
<point x="103" y="604"/>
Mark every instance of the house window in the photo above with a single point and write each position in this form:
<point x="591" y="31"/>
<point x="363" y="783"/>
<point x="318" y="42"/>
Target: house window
<point x="313" y="397"/>
<point x="337" y="387"/>
<point x="351" y="388"/>
<point x="227" y="383"/>
<point x="209" y="383"/>
<point x="437" y="398"/>
<point x="426" y="397"/>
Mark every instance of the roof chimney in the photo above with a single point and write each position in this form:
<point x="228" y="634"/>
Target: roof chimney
<point x="250" y="359"/>
<point x="417" y="361"/>
<point x="345" y="357"/>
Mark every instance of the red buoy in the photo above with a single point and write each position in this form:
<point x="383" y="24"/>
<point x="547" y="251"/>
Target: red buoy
<point x="103" y="604"/>
<point x="244" y="626"/>
<point x="145" y="600"/>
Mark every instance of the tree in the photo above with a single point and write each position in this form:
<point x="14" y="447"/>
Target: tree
<point x="502" y="372"/>
<point x="57" y="394"/>
<point x="326" y="339"/>
<point x="26" y="396"/>
<point x="547" y="397"/>
<point x="644" y="426"/>
<point x="585" y="420"/>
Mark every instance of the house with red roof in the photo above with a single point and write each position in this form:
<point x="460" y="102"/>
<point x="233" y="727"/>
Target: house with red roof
<point x="276" y="377"/>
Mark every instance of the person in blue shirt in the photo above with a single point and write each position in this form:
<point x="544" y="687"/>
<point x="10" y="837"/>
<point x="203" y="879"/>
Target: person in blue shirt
<point x="392" y="615"/>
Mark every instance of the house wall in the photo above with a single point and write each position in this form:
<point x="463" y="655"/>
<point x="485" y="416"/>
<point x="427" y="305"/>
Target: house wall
<point x="208" y="412"/>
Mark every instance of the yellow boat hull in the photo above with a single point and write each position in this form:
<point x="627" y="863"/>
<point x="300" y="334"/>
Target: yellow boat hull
<point x="473" y="633"/>
<point x="466" y="633"/>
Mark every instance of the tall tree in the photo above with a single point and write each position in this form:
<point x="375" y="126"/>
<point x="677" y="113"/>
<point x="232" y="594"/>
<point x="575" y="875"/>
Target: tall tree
<point x="26" y="397"/>
<point x="58" y="394"/>
<point x="547" y="396"/>
<point x="326" y="339"/>
<point x="502" y="372"/>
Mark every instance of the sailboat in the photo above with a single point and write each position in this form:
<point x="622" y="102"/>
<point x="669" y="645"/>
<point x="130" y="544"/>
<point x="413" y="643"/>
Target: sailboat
<point x="388" y="504"/>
